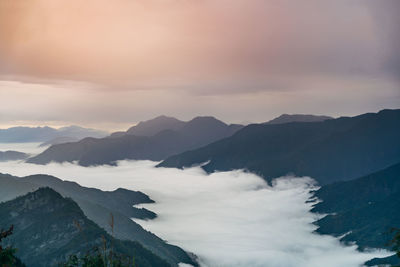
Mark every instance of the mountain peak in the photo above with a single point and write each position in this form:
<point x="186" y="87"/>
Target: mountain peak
<point x="154" y="126"/>
<point x="287" y="118"/>
<point x="206" y="119"/>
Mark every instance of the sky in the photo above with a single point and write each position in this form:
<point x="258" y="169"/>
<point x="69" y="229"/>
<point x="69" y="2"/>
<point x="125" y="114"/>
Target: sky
<point x="110" y="64"/>
<point x="226" y="218"/>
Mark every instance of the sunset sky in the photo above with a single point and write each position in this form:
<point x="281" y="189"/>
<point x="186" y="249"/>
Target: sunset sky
<point x="109" y="64"/>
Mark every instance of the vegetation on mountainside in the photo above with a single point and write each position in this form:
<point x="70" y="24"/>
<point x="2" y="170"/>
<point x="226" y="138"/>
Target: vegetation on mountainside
<point x="7" y="255"/>
<point x="361" y="210"/>
<point x="96" y="205"/>
<point x="99" y="257"/>
<point x="65" y="231"/>
<point x="395" y="242"/>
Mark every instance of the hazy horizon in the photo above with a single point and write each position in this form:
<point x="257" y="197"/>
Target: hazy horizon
<point x="126" y="126"/>
<point x="108" y="65"/>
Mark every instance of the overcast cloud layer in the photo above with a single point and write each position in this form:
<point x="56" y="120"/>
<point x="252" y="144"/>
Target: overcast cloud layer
<point x="95" y="61"/>
<point x="227" y="219"/>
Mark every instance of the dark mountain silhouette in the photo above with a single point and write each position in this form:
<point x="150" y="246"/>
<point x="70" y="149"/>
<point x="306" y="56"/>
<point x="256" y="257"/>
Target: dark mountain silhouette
<point x="44" y="134"/>
<point x="48" y="228"/>
<point x="329" y="151"/>
<point x="286" y="118"/>
<point x="156" y="125"/>
<point x="97" y="205"/>
<point x="12" y="155"/>
<point x="91" y="151"/>
<point x="363" y="210"/>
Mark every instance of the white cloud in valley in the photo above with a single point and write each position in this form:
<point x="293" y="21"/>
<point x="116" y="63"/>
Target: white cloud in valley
<point x="227" y="218"/>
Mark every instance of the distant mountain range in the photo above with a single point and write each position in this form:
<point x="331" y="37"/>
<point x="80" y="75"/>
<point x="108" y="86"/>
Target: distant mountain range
<point x="97" y="205"/>
<point x="46" y="134"/>
<point x="12" y="155"/>
<point x="363" y="210"/>
<point x="155" y="139"/>
<point x="329" y="151"/>
<point x="48" y="228"/>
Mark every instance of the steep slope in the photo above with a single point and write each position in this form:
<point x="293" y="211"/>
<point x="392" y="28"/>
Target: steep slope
<point x="90" y="151"/>
<point x="97" y="205"/>
<point x="12" y="155"/>
<point x="286" y="118"/>
<point x="363" y="210"/>
<point x="64" y="231"/>
<point x="329" y="151"/>
<point x="366" y="208"/>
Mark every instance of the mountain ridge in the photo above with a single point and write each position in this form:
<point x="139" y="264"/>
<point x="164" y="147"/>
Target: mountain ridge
<point x="65" y="231"/>
<point x="97" y="205"/>
<point x="12" y="155"/>
<point x="369" y="141"/>
<point x="94" y="151"/>
<point x="363" y="210"/>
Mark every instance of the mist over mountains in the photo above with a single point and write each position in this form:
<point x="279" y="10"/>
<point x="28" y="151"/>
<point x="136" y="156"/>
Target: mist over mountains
<point x="97" y="206"/>
<point x="225" y="218"/>
<point x="55" y="227"/>
<point x="155" y="139"/>
<point x="216" y="183"/>
<point x="12" y="155"/>
<point x="238" y="133"/>
<point x="363" y="210"/>
<point x="46" y="134"/>
<point x="151" y="140"/>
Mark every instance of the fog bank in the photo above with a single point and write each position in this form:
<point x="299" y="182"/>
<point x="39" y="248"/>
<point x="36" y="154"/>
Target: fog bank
<point x="32" y="148"/>
<point x="227" y="219"/>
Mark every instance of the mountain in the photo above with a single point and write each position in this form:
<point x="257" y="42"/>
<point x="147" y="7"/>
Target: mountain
<point x="156" y="125"/>
<point x="97" y="205"/>
<point x="329" y="151"/>
<point x="48" y="228"/>
<point x="120" y="200"/>
<point x="366" y="208"/>
<point x="286" y="118"/>
<point x="44" y="134"/>
<point x="59" y="140"/>
<point x="198" y="132"/>
<point x="363" y="210"/>
<point x="12" y="155"/>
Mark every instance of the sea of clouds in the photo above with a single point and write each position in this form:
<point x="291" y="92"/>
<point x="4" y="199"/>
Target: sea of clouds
<point x="32" y="148"/>
<point x="227" y="218"/>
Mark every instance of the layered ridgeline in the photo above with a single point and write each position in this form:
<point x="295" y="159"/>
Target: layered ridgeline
<point x="12" y="155"/>
<point x="331" y="150"/>
<point x="362" y="210"/>
<point x="151" y="140"/>
<point x="48" y="228"/>
<point x="97" y="205"/>
<point x="46" y="134"/>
